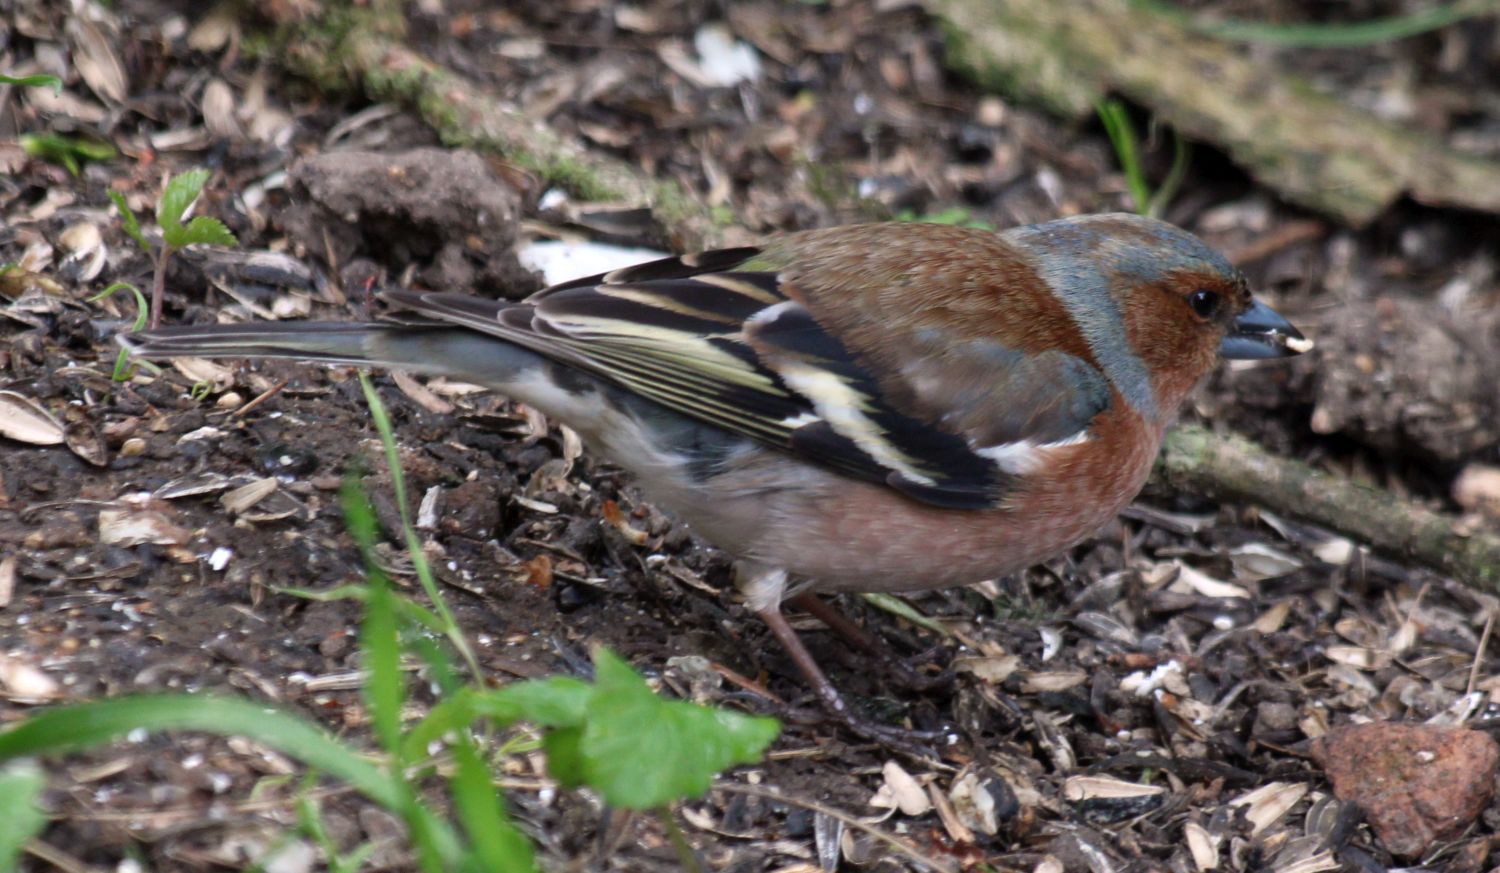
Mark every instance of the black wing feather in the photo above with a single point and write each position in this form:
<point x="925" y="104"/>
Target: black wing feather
<point x="705" y="339"/>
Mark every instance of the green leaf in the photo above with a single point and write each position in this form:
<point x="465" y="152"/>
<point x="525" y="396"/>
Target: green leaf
<point x="44" y="80"/>
<point x="21" y="785"/>
<point x="565" y="756"/>
<point x="130" y="223"/>
<point x="455" y="713"/>
<point x="641" y="752"/>
<point x="202" y="229"/>
<point x="179" y="194"/>
<point x="440" y="673"/>
<point x="80" y="725"/>
<point x="558" y="701"/>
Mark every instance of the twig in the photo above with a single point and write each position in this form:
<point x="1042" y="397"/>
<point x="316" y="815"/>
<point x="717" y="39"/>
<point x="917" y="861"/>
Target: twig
<point x="159" y="284"/>
<point x="57" y="857"/>
<point x="1484" y="643"/>
<point x="260" y="398"/>
<point x="1223" y="466"/>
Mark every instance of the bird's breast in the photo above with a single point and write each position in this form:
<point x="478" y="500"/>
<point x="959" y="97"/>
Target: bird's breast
<point x="844" y="535"/>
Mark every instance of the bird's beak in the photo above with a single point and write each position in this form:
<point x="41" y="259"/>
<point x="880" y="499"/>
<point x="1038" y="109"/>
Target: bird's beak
<point x="1260" y="332"/>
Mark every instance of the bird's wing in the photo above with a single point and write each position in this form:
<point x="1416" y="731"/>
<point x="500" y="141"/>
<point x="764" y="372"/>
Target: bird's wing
<point x="717" y="337"/>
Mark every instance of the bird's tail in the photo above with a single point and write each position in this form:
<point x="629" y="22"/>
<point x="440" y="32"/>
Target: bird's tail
<point x="330" y="341"/>
<point x="437" y="350"/>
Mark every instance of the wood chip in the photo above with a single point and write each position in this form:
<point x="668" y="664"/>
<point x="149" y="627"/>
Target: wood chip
<point x="430" y="509"/>
<point x="96" y="61"/>
<point x="1358" y="657"/>
<point x="901" y="791"/>
<point x="207" y="482"/>
<point x="242" y="498"/>
<point x="24" y="420"/>
<point x="1054" y="680"/>
<point x="1202" y="845"/>
<point x="1267" y="804"/>
<point x="1077" y="788"/>
<point x="7" y="580"/>
<point x="958" y="832"/>
<point x="1257" y="561"/>
<point x="219" y="108"/>
<point x="24" y="683"/>
<point x="993" y="670"/>
<point x="134" y="526"/>
<point x="1192" y="581"/>
<point x="204" y="371"/>
<point x="972" y="802"/>
<point x="1271" y="620"/>
<point x="420" y="394"/>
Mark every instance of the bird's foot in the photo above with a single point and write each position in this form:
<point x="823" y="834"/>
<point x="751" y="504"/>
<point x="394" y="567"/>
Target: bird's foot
<point x="898" y="668"/>
<point x="833" y="705"/>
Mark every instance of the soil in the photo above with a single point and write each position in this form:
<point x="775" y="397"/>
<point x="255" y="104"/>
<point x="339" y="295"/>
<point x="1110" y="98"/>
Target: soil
<point x="1193" y="645"/>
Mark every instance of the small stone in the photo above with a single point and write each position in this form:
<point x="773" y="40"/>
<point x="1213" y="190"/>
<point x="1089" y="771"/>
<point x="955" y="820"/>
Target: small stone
<point x="1477" y="488"/>
<point x="1416" y="784"/>
<point x="1271" y="716"/>
<point x="473" y="509"/>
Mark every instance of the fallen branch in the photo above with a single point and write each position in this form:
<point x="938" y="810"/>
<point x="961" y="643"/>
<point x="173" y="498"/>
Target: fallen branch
<point x="364" y="56"/>
<point x="1312" y="147"/>
<point x="1220" y="466"/>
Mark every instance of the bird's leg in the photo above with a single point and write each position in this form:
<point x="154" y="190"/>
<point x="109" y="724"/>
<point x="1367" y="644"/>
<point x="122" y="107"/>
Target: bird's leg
<point x="763" y="588"/>
<point x="828" y="695"/>
<point x="867" y="642"/>
<point x="833" y="702"/>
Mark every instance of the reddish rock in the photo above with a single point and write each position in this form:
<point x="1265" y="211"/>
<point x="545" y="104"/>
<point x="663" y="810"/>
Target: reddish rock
<point x="1416" y="784"/>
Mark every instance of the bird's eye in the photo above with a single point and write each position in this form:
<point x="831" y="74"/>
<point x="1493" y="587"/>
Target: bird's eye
<point x="1205" y="303"/>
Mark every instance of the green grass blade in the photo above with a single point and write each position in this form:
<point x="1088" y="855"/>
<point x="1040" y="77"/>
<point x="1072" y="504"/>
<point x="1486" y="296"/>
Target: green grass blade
<point x="1181" y="152"/>
<point x="21" y="785"/>
<point x="384" y="687"/>
<point x="81" y="725"/>
<point x="413" y="542"/>
<point x="123" y="370"/>
<point x="43" y="80"/>
<point x="896" y="606"/>
<point x="1116" y="119"/>
<point x="498" y="845"/>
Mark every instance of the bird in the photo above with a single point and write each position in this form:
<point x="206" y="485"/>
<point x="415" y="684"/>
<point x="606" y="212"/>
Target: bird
<point x="885" y="407"/>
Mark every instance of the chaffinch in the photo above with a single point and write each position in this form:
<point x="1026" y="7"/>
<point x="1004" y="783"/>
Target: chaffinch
<point x="882" y="407"/>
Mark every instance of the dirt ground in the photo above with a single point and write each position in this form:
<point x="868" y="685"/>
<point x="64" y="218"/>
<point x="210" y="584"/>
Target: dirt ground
<point x="1192" y="645"/>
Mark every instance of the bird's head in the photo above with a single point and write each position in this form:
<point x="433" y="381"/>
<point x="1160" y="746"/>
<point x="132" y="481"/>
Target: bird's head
<point x="1181" y="304"/>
